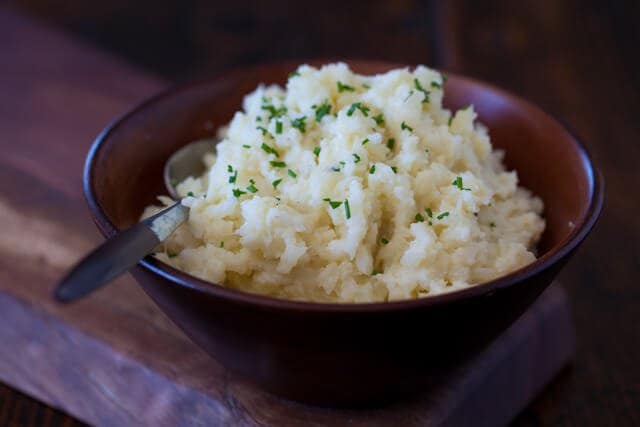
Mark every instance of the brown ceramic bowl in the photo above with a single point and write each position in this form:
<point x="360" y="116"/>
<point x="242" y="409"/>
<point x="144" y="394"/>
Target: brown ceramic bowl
<point x="341" y="353"/>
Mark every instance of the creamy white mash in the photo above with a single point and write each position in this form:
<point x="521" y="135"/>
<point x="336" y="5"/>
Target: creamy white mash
<point x="350" y="188"/>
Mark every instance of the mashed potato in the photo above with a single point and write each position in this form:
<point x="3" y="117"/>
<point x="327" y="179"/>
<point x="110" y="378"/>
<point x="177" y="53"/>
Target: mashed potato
<point x="351" y="188"/>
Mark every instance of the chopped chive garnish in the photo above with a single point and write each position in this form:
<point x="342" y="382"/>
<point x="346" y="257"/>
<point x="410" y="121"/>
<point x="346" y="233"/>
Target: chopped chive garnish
<point x="429" y="212"/>
<point x="316" y="151"/>
<point x="174" y="182"/>
<point x="229" y="168"/>
<point x="222" y="244"/>
<point x="419" y="217"/>
<point x="372" y="169"/>
<point x="390" y="143"/>
<point x="436" y="85"/>
<point x="366" y="86"/>
<point x="278" y="127"/>
<point x="423" y="90"/>
<point x="292" y="174"/>
<point x="335" y="168"/>
<point x="366" y="140"/>
<point x="269" y="150"/>
<point x="237" y="192"/>
<point x="405" y="126"/>
<point x="343" y="87"/>
<point x="492" y="224"/>
<point x="347" y="210"/>
<point x="458" y="183"/>
<point x="375" y="272"/>
<point x="273" y="111"/>
<point x="444" y="78"/>
<point x="379" y="119"/>
<point x="334" y="204"/>
<point x="252" y="188"/>
<point x="190" y="194"/>
<point x="276" y="183"/>
<point x="442" y="215"/>
<point x="322" y="111"/>
<point x="356" y="158"/>
<point x="264" y="131"/>
<point x="449" y="121"/>
<point x="384" y="241"/>
<point x="171" y="254"/>
<point x="293" y="74"/>
<point x="232" y="178"/>
<point x="277" y="164"/>
<point x="300" y="124"/>
<point x="408" y="95"/>
<point x="394" y="169"/>
<point x="358" y="105"/>
<point x="246" y="146"/>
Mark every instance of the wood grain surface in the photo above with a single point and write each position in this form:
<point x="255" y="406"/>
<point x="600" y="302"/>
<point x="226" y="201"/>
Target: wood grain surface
<point x="576" y="59"/>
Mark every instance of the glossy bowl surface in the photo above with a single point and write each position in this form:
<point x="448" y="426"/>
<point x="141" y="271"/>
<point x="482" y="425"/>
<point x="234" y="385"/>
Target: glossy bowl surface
<point x="341" y="354"/>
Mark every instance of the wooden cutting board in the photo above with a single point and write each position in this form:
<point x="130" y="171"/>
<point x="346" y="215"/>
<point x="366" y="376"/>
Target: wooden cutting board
<point x="114" y="358"/>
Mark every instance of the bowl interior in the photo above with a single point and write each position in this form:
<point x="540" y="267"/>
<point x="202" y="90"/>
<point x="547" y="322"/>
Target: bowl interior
<point x="124" y="172"/>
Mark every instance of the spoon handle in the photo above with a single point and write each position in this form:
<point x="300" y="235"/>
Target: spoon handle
<point x="119" y="253"/>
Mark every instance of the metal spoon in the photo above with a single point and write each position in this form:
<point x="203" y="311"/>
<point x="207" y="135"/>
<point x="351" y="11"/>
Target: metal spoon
<point x="124" y="250"/>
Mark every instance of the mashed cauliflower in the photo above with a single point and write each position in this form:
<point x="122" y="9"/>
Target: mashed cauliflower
<point x="350" y="188"/>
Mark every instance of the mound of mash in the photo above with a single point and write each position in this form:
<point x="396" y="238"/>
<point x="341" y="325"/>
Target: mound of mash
<point x="352" y="188"/>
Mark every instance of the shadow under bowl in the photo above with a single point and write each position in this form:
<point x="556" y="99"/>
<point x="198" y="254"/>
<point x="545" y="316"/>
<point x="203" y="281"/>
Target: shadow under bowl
<point x="341" y="354"/>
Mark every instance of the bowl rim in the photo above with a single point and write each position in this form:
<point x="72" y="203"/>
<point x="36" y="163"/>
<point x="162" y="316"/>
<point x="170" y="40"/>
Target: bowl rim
<point x="183" y="279"/>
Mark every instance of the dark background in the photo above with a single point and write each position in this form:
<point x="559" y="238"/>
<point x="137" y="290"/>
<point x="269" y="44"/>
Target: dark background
<point x="577" y="59"/>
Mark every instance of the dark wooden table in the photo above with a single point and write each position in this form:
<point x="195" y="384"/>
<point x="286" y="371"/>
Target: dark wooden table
<point x="577" y="59"/>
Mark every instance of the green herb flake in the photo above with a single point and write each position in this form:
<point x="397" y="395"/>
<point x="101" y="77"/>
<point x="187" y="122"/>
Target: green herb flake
<point x="384" y="241"/>
<point x="174" y="183"/>
<point x="229" y="168"/>
<point x="442" y="215"/>
<point x="423" y="90"/>
<point x="379" y="119"/>
<point x="300" y="124"/>
<point x="356" y="158"/>
<point x="492" y="224"/>
<point x="269" y="150"/>
<point x="273" y="111"/>
<point x="322" y="111"/>
<point x="335" y="168"/>
<point x="276" y="183"/>
<point x="347" y="210"/>
<point x="343" y="87"/>
<point x="358" y="105"/>
<point x="391" y="143"/>
<point x="444" y="78"/>
<point x="375" y="272"/>
<point x="233" y="178"/>
<point x="408" y="95"/>
<point x="405" y="126"/>
<point x="316" y="151"/>
<point x="436" y="85"/>
<point x="334" y="204"/>
<point x="190" y="194"/>
<point x="171" y="254"/>
<point x="252" y="188"/>
<point x="419" y="217"/>
<point x="278" y="127"/>
<point x="372" y="169"/>
<point x="237" y="193"/>
<point x="449" y="121"/>
<point x="458" y="183"/>
<point x="366" y="140"/>
<point x="264" y="131"/>
<point x="222" y="244"/>
<point x="429" y="212"/>
<point x="292" y="174"/>
<point x="366" y="86"/>
<point x="246" y="146"/>
<point x="294" y="74"/>
<point x="394" y="169"/>
<point x="278" y="164"/>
